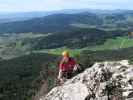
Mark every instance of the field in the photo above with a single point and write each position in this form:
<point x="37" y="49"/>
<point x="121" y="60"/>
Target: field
<point x="110" y="44"/>
<point x="23" y="44"/>
<point x="15" y="45"/>
<point x="58" y="51"/>
<point x="116" y="43"/>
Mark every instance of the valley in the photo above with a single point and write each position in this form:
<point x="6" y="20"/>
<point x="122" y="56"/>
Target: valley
<point x="30" y="50"/>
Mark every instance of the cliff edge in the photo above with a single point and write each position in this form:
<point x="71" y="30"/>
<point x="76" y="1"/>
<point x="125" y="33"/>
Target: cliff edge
<point x="103" y="81"/>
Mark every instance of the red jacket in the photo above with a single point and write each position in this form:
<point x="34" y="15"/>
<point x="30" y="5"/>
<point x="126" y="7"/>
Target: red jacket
<point x="67" y="66"/>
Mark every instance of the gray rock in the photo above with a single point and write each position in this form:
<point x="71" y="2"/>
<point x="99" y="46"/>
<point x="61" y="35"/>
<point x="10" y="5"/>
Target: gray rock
<point x="103" y="81"/>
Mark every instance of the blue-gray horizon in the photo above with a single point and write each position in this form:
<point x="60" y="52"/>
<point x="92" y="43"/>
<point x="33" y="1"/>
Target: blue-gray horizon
<point x="54" y="5"/>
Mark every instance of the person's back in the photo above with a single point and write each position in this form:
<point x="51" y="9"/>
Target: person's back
<point x="66" y="66"/>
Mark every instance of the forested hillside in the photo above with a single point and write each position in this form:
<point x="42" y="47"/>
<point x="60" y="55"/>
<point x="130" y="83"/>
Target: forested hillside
<point x="65" y="22"/>
<point x="30" y="49"/>
<point x="22" y="77"/>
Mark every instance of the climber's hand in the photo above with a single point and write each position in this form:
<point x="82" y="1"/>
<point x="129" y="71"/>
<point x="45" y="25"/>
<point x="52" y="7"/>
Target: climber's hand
<point x="58" y="78"/>
<point x="59" y="75"/>
<point x="76" y="67"/>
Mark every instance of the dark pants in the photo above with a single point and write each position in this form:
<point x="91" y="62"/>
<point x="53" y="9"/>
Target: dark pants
<point x="67" y="74"/>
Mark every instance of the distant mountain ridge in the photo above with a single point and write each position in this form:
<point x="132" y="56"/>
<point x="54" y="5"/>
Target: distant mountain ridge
<point x="50" y="23"/>
<point x="21" y="16"/>
<point x="60" y="22"/>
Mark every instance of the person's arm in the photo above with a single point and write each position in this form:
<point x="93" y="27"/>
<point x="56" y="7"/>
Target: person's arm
<point x="60" y="70"/>
<point x="76" y="66"/>
<point x="60" y="74"/>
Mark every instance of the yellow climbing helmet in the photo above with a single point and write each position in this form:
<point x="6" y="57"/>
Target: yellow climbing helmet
<point x="65" y="53"/>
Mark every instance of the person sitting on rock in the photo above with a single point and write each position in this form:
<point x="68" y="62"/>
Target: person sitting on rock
<point x="66" y="67"/>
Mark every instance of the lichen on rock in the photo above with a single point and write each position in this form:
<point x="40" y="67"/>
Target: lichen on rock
<point x="103" y="81"/>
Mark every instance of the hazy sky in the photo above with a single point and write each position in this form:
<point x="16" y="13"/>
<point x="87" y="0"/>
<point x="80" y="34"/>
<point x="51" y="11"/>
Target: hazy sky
<point x="48" y="5"/>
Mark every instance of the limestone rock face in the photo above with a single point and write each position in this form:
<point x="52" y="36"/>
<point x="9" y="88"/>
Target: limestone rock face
<point x="103" y="81"/>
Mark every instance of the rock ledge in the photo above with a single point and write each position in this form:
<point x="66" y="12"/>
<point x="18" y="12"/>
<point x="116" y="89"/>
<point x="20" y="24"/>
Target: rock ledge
<point x="103" y="81"/>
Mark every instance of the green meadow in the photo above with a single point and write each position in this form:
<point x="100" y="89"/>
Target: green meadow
<point x="110" y="44"/>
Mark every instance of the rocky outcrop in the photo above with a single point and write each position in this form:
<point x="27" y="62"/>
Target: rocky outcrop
<point x="103" y="81"/>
